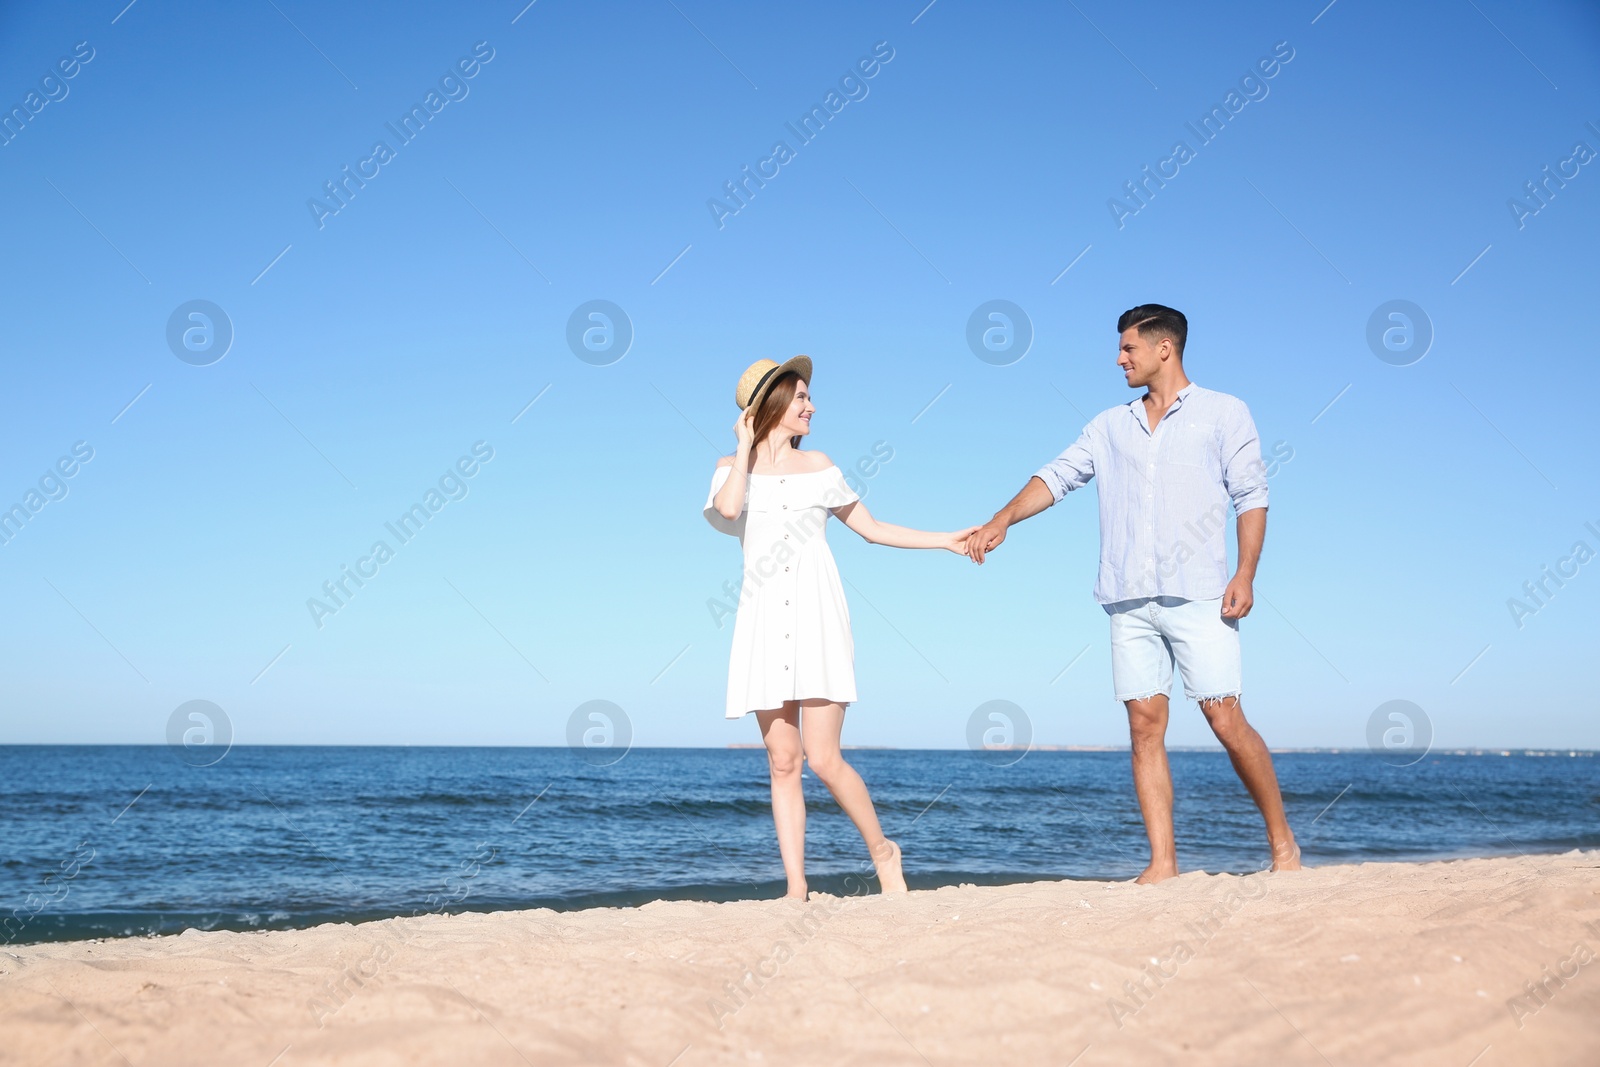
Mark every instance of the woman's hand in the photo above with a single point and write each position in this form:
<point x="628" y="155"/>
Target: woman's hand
<point x="958" y="541"/>
<point x="744" y="430"/>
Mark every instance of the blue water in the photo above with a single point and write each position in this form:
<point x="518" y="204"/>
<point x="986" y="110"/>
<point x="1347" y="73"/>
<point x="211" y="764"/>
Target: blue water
<point x="113" y="841"/>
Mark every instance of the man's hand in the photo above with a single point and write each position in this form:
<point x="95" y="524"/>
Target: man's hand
<point x="1034" y="498"/>
<point x="985" y="539"/>
<point x="1238" y="598"/>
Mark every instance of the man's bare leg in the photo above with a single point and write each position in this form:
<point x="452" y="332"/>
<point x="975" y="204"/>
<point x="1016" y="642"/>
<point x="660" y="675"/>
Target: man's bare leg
<point x="1253" y="764"/>
<point x="1152" y="781"/>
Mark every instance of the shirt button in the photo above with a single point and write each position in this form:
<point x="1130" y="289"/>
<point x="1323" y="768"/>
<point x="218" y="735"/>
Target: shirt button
<point x="786" y="537"/>
<point x="786" y="507"/>
<point x="785" y="666"/>
<point x="786" y="568"/>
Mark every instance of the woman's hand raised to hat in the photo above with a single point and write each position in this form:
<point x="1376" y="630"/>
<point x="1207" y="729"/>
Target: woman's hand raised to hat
<point x="744" y="430"/>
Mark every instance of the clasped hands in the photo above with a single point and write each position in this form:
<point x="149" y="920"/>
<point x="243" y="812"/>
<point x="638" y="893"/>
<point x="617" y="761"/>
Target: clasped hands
<point x="978" y="541"/>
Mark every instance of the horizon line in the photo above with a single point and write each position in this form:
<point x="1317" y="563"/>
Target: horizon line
<point x="1332" y="750"/>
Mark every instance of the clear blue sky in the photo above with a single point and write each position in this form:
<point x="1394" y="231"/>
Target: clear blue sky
<point x="576" y="164"/>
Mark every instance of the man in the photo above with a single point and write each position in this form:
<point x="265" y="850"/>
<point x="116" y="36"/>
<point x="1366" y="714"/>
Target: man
<point x="1166" y="464"/>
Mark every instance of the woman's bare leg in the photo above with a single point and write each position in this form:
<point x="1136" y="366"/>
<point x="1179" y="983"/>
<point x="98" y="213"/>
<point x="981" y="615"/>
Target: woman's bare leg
<point x="820" y="728"/>
<point x="780" y="730"/>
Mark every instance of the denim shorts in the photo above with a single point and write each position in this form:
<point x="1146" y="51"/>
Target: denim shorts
<point x="1150" y="634"/>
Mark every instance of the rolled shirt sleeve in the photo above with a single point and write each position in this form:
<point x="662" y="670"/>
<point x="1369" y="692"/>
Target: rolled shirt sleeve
<point x="1072" y="469"/>
<point x="1244" y="475"/>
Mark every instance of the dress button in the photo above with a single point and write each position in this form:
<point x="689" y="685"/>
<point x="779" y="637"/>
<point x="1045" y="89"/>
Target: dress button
<point x="785" y="666"/>
<point x="786" y="537"/>
<point x="786" y="568"/>
<point x="786" y="507"/>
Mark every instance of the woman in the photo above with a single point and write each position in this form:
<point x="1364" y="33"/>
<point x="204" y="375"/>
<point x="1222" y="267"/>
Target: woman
<point x="793" y="656"/>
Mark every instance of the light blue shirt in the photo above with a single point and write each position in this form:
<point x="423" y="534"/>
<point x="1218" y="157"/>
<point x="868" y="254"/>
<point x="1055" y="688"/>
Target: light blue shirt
<point x="1164" y="495"/>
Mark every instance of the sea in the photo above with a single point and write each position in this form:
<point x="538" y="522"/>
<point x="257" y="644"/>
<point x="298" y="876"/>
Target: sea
<point x="117" y="841"/>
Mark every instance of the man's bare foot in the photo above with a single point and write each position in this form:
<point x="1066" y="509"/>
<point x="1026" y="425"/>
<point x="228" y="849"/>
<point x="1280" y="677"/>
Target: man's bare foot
<point x="1286" y="857"/>
<point x="887" y="859"/>
<point x="1157" y="873"/>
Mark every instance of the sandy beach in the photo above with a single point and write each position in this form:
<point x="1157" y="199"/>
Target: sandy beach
<point x="1482" y="962"/>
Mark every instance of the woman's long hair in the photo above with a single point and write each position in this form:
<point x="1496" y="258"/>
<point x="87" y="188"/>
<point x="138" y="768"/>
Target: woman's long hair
<point x="773" y="406"/>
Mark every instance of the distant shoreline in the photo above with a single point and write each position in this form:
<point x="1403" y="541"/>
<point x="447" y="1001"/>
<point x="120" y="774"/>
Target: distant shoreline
<point x="1217" y="750"/>
<point x="1489" y="750"/>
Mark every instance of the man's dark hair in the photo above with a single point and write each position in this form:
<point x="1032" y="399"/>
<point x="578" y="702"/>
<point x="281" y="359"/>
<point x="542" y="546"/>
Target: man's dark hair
<point x="1158" y="320"/>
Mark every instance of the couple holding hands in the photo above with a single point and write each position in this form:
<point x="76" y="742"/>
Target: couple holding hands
<point x="1167" y="464"/>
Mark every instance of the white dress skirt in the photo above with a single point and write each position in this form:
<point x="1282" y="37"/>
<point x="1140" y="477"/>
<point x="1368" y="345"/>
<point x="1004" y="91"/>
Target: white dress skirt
<point x="791" y="638"/>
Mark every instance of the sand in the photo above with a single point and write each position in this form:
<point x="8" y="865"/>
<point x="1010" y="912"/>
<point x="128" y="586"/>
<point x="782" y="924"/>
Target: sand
<point x="1480" y="962"/>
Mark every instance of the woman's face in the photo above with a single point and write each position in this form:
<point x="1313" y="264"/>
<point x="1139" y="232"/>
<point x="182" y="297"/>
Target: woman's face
<point x="797" y="420"/>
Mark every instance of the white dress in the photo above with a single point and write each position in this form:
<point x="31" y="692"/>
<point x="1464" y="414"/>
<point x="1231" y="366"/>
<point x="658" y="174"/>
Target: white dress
<point x="791" y="639"/>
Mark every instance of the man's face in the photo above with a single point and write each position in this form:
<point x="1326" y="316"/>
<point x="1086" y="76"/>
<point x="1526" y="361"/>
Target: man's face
<point x="1140" y="357"/>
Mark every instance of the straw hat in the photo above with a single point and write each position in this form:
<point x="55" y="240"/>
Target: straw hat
<point x="757" y="379"/>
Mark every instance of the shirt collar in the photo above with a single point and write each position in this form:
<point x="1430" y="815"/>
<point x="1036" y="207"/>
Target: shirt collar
<point x="1137" y="405"/>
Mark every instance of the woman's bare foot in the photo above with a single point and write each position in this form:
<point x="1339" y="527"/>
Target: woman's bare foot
<point x="796" y="892"/>
<point x="1153" y="874"/>
<point x="1286" y="857"/>
<point x="887" y="859"/>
